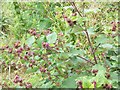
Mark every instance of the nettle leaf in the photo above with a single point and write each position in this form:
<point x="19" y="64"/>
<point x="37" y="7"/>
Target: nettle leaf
<point x="70" y="82"/>
<point x="47" y="85"/>
<point x="86" y="82"/>
<point x="77" y="29"/>
<point x="44" y="23"/>
<point x="95" y="10"/>
<point x="100" y="68"/>
<point x="39" y="41"/>
<point x="58" y="9"/>
<point x="51" y="38"/>
<point x="35" y="80"/>
<point x="114" y="58"/>
<point x="76" y="52"/>
<point x="107" y="46"/>
<point x="101" y="39"/>
<point x="114" y="76"/>
<point x="68" y="7"/>
<point x="30" y="41"/>
<point x="100" y="79"/>
<point x="91" y="31"/>
<point x="37" y="57"/>
<point x="76" y="60"/>
<point x="31" y="70"/>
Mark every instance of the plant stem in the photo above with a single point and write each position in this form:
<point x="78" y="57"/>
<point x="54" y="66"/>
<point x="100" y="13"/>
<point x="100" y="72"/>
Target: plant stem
<point x="92" y="50"/>
<point x="87" y="35"/>
<point x="97" y="47"/>
<point x="73" y="4"/>
<point x="9" y="71"/>
<point x="86" y="60"/>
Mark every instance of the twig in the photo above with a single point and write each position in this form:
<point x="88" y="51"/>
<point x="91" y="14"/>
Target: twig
<point x="92" y="50"/>
<point x="73" y="4"/>
<point x="86" y="60"/>
<point x="9" y="72"/>
<point x="97" y="47"/>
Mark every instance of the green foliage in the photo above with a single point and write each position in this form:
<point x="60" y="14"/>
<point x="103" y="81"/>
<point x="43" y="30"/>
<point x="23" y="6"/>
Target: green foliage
<point x="30" y="41"/>
<point x="55" y="45"/>
<point x="51" y="38"/>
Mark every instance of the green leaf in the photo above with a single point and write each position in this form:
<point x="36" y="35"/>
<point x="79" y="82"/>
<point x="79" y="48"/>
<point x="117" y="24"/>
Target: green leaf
<point x="75" y="60"/>
<point x="107" y="46"/>
<point x="94" y="10"/>
<point x="68" y="7"/>
<point x="100" y="68"/>
<point x="47" y="85"/>
<point x="76" y="52"/>
<point x="114" y="58"/>
<point x="31" y="70"/>
<point x="39" y="41"/>
<point x="91" y="31"/>
<point x="77" y="29"/>
<point x="114" y="76"/>
<point x="37" y="57"/>
<point x="35" y="80"/>
<point x="69" y="82"/>
<point x="101" y="39"/>
<point x="86" y="82"/>
<point x="100" y="79"/>
<point x="30" y="41"/>
<point x="58" y="9"/>
<point x="44" y="23"/>
<point x="51" y="38"/>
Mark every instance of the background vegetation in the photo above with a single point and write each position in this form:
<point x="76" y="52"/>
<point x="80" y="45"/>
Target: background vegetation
<point x="59" y="45"/>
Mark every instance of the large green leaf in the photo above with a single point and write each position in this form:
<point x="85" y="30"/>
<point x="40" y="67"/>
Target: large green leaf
<point x="107" y="46"/>
<point x="51" y="38"/>
<point x="86" y="82"/>
<point x="101" y="39"/>
<point x="30" y="41"/>
<point x="70" y="82"/>
<point x="100" y="79"/>
<point x="99" y="67"/>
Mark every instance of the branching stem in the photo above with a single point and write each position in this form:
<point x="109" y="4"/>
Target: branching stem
<point x="86" y="60"/>
<point x="86" y="32"/>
